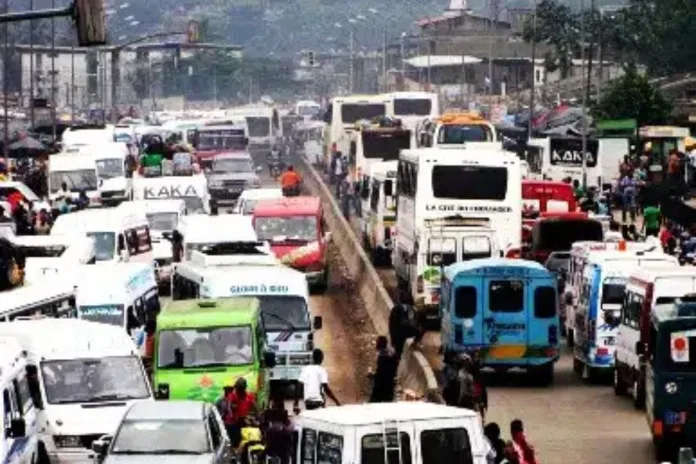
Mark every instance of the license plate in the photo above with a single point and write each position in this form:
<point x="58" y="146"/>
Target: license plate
<point x="610" y="341"/>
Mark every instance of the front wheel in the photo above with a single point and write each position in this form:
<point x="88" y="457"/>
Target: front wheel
<point x="619" y="385"/>
<point x="638" y="393"/>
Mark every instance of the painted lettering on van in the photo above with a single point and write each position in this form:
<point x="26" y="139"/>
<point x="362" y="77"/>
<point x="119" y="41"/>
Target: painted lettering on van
<point x="171" y="191"/>
<point x="250" y="289"/>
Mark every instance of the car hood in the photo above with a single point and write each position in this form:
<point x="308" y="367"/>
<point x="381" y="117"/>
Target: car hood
<point x="89" y="418"/>
<point x="157" y="458"/>
<point x="234" y="176"/>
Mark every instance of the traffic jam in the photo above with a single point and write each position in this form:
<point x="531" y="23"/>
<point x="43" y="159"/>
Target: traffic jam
<point x="171" y="298"/>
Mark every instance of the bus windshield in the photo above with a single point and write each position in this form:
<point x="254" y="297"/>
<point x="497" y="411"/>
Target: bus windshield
<point x="412" y="106"/>
<point x="385" y="145"/>
<point x="461" y="133"/>
<point x="220" y="139"/>
<point x="353" y="112"/>
<point x="258" y="126"/>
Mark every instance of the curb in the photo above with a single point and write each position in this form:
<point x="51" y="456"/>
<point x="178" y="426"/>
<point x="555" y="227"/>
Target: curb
<point x="415" y="373"/>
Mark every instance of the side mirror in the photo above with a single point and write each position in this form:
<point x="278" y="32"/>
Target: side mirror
<point x="269" y="359"/>
<point x="18" y="428"/>
<point x="388" y="188"/>
<point x="640" y="348"/>
<point x="167" y="235"/>
<point x="101" y="445"/>
<point x="318" y="323"/>
<point x="246" y="141"/>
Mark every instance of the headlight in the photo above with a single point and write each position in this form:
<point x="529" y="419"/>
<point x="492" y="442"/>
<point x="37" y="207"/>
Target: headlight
<point x="671" y="388"/>
<point x="214" y="183"/>
<point x="255" y="183"/>
<point x="67" y="441"/>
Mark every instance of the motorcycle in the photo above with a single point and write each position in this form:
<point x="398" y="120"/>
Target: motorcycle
<point x="276" y="169"/>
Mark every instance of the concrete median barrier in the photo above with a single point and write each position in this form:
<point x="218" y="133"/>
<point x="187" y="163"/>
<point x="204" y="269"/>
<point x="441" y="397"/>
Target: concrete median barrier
<point x="415" y="373"/>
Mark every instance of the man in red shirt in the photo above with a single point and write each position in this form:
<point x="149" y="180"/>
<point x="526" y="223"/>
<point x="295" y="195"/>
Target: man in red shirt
<point x="237" y="405"/>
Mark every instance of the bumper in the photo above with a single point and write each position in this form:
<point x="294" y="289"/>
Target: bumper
<point x="72" y="456"/>
<point x="225" y="196"/>
<point x="285" y="373"/>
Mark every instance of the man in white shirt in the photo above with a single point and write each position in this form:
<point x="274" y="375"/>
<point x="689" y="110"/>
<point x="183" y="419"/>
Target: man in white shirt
<point x="315" y="384"/>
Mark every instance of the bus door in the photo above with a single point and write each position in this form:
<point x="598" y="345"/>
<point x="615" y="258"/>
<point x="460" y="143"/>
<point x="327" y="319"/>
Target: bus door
<point x="466" y="314"/>
<point x="542" y="317"/>
<point x="505" y="324"/>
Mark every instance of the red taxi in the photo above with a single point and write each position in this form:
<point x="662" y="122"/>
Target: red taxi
<point x="297" y="233"/>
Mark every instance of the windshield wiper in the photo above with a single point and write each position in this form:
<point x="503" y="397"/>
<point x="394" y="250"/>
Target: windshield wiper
<point x="283" y="320"/>
<point x="173" y="451"/>
<point x="131" y="452"/>
<point x="109" y="397"/>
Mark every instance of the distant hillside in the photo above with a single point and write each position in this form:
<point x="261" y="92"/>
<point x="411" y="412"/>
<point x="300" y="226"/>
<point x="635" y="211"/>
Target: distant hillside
<point x="265" y="27"/>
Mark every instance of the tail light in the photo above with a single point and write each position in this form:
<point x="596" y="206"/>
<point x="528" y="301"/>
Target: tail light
<point x="602" y="351"/>
<point x="420" y="286"/>
<point x="514" y="253"/>
<point x="553" y="335"/>
<point x="658" y="428"/>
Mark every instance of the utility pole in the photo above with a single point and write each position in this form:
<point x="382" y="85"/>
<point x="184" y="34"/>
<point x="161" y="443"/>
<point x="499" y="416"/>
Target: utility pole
<point x="72" y="84"/>
<point x="53" y="74"/>
<point x="384" y="61"/>
<point x="492" y="16"/>
<point x="351" y="83"/>
<point x="584" y="96"/>
<point x="5" y="59"/>
<point x="31" y="66"/>
<point x="533" y="93"/>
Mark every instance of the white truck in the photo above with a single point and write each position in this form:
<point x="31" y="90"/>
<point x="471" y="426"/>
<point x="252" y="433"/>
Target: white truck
<point x="193" y="190"/>
<point x="378" y="219"/>
<point x="79" y="174"/>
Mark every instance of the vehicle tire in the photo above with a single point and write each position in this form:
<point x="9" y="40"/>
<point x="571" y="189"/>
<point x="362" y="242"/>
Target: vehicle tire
<point x="544" y="376"/>
<point x="638" y="393"/>
<point x="588" y="373"/>
<point x="42" y="454"/>
<point x="570" y="339"/>
<point x="564" y="331"/>
<point x="577" y="365"/>
<point x="619" y="385"/>
<point x="323" y="284"/>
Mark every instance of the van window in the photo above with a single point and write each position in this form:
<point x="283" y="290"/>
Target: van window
<point x="465" y="302"/>
<point x="631" y="309"/>
<point x="545" y="302"/>
<point x="329" y="448"/>
<point x="374" y="196"/>
<point x="506" y="296"/>
<point x="446" y="445"/>
<point x="372" y="449"/>
<point x="23" y="392"/>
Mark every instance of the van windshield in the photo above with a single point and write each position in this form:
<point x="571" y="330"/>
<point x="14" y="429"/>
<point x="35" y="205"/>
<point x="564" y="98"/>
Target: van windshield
<point x="76" y="181"/>
<point x="162" y="222"/>
<point x="283" y="312"/>
<point x="105" y="314"/>
<point x="613" y="290"/>
<point x="205" y="347"/>
<point x="110" y="168"/>
<point x="94" y="380"/>
<point x="286" y="228"/>
<point x="104" y="245"/>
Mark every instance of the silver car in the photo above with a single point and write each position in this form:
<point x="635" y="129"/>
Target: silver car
<point x="230" y="174"/>
<point x="169" y="432"/>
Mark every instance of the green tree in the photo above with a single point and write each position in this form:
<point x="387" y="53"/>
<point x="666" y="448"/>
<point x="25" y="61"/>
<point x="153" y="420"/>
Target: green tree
<point x="633" y="96"/>
<point x="661" y="34"/>
<point x="557" y="26"/>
